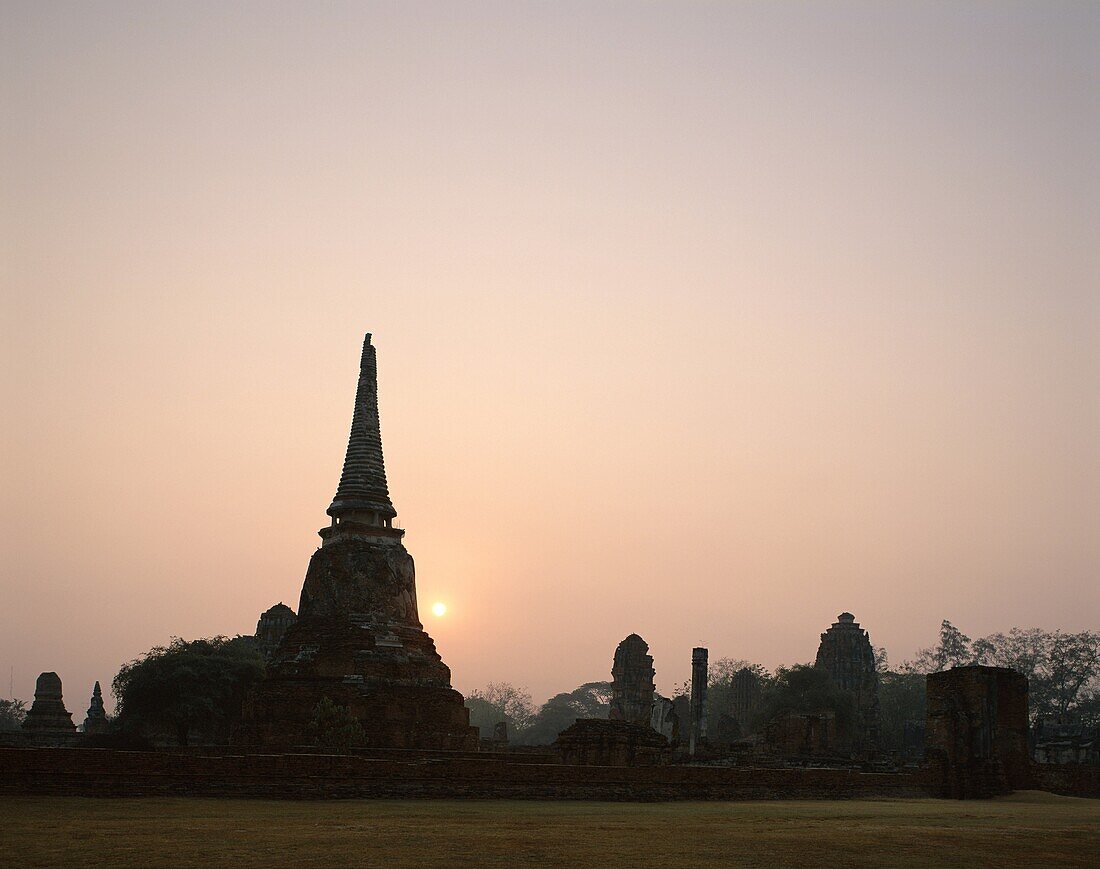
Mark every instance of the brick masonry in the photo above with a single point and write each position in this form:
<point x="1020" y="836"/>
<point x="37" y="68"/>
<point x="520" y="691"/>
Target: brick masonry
<point x="100" y="772"/>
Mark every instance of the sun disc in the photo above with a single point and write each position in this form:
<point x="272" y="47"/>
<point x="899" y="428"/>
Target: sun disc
<point x="439" y="609"/>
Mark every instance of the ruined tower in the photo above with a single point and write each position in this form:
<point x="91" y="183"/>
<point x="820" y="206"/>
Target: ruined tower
<point x="358" y="639"/>
<point x="846" y="655"/>
<point x="632" y="682"/>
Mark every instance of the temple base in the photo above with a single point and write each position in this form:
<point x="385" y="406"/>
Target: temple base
<point x="358" y="642"/>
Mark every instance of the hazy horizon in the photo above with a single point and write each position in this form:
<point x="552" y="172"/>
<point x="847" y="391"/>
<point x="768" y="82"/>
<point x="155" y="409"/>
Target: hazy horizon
<point x="706" y="322"/>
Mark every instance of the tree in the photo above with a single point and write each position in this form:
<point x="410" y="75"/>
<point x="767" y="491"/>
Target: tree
<point x="806" y="689"/>
<point x="901" y="698"/>
<point x="720" y="693"/>
<point x="590" y="700"/>
<point x="1062" y="669"/>
<point x="187" y="686"/>
<point x="952" y="650"/>
<point x="1072" y="664"/>
<point x="500" y="701"/>
<point x="724" y="669"/>
<point x="1022" y="649"/>
<point x="12" y="713"/>
<point x="335" y="728"/>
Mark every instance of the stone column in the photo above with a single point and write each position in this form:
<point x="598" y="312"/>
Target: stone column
<point x="698" y="698"/>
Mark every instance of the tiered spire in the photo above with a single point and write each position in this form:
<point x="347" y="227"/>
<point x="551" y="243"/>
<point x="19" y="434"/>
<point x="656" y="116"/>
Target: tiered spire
<point x="96" y="720"/>
<point x="363" y="490"/>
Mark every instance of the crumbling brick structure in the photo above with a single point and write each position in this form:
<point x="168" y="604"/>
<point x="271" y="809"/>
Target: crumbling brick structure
<point x="845" y="653"/>
<point x="795" y="734"/>
<point x="976" y="732"/>
<point x="358" y="639"/>
<point x="271" y="628"/>
<point x="595" y="742"/>
<point x="632" y="682"/>
<point x="48" y="722"/>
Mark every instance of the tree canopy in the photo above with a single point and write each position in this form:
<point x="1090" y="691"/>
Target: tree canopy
<point x="1063" y="669"/>
<point x="187" y="686"/>
<point x="12" y="713"/>
<point x="501" y="701"/>
<point x="805" y="688"/>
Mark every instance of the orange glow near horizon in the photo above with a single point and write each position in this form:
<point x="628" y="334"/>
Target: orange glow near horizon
<point x="706" y="322"/>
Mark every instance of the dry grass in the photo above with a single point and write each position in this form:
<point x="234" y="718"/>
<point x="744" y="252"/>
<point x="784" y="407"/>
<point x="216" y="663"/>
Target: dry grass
<point x="1028" y="829"/>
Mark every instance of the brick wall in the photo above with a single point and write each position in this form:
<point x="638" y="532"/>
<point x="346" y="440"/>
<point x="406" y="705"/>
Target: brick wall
<point x="101" y="772"/>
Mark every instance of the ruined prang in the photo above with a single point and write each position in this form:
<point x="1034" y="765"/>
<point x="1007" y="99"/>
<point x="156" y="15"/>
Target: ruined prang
<point x="698" y="699"/>
<point x="358" y="639"/>
<point x="271" y="628"/>
<point x="96" y="719"/>
<point x="845" y="653"/>
<point x="632" y="682"/>
<point x="48" y="720"/>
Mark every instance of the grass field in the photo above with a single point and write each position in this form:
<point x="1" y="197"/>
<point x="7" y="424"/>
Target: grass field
<point x="1027" y="829"/>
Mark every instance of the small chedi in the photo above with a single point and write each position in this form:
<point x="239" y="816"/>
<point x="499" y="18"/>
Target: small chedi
<point x="48" y="720"/>
<point x="976" y="732"/>
<point x="358" y="639"/>
<point x="96" y="719"/>
<point x="632" y="682"/>
<point x="271" y="628"/>
<point x="846" y="655"/>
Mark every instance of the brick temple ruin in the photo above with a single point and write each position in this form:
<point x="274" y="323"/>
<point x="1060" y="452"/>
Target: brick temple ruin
<point x="272" y="627"/>
<point x="627" y="737"/>
<point x="976" y="732"/>
<point x="358" y="639"/>
<point x="846" y="654"/>
<point x="632" y="685"/>
<point x="48" y="722"/>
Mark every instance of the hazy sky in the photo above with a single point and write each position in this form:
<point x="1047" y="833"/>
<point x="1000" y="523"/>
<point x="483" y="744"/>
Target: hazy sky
<point x="706" y="321"/>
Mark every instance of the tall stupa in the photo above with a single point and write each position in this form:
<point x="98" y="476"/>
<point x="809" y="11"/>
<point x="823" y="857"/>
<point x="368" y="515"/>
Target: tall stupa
<point x="358" y="639"/>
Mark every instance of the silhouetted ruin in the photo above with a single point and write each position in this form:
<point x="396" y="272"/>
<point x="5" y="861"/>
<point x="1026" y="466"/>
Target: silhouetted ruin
<point x="632" y="682"/>
<point x="845" y="653"/>
<point x="976" y="732"/>
<point x="598" y="742"/>
<point x="96" y="719"/>
<point x="358" y="639"/>
<point x="48" y="721"/>
<point x="271" y="627"/>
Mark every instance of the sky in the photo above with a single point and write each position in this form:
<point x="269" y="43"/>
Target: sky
<point x="706" y="321"/>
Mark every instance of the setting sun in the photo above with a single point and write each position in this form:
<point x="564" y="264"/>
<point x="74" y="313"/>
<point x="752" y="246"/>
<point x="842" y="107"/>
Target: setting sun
<point x="439" y="609"/>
